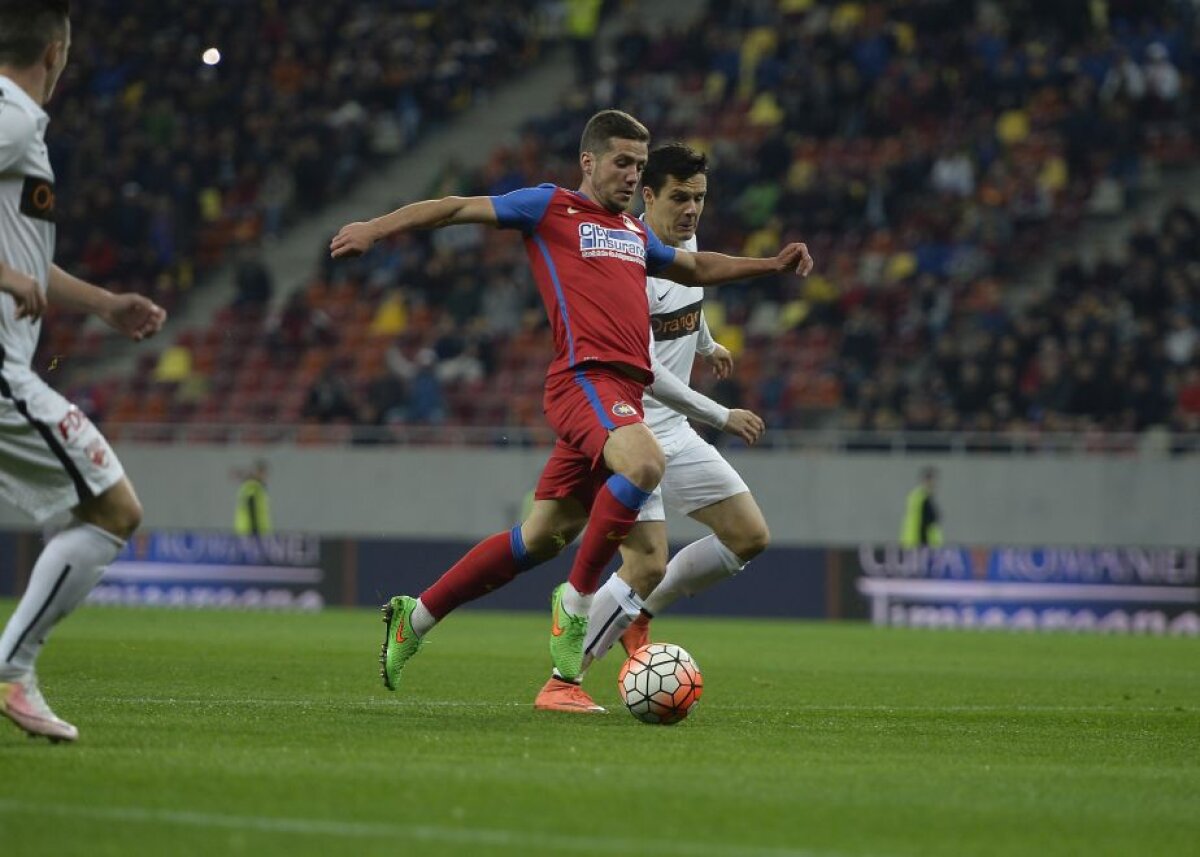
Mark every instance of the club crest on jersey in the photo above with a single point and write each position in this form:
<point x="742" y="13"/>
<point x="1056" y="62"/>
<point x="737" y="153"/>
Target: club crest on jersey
<point x="596" y="240"/>
<point x="624" y="409"/>
<point x="98" y="453"/>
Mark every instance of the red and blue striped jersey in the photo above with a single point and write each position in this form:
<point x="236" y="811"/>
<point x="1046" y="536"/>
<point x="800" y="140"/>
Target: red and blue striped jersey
<point x="590" y="266"/>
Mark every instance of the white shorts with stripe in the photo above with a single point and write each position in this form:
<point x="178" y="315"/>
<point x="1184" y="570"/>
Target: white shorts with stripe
<point x="52" y="457"/>
<point x="696" y="476"/>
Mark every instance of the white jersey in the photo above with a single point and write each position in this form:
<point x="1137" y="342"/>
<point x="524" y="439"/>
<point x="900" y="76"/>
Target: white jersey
<point x="27" y="228"/>
<point x="679" y="332"/>
<point x="52" y="457"/>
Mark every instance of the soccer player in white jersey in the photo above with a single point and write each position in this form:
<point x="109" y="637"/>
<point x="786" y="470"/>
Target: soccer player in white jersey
<point x="698" y="481"/>
<point x="53" y="460"/>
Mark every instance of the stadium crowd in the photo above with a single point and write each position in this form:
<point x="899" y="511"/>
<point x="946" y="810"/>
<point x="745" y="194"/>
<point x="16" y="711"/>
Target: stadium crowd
<point x="166" y="161"/>
<point x="928" y="152"/>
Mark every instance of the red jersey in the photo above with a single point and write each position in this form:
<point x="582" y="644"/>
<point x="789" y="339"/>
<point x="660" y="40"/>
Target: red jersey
<point x="590" y="266"/>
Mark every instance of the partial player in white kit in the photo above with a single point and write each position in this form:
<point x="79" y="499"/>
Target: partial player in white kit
<point x="54" y="463"/>
<point x="698" y="481"/>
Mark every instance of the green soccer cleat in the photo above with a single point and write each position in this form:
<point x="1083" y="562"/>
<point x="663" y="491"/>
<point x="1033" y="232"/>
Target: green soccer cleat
<point x="400" y="643"/>
<point x="566" y="638"/>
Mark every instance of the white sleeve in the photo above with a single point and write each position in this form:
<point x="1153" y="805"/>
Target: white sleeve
<point x="705" y="344"/>
<point x="678" y="396"/>
<point x="17" y="132"/>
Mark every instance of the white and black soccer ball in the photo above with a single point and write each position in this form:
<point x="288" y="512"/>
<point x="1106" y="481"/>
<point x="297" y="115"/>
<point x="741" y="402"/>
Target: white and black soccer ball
<point x="660" y="683"/>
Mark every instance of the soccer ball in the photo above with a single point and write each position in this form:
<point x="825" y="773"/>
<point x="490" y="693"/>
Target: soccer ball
<point x="660" y="683"/>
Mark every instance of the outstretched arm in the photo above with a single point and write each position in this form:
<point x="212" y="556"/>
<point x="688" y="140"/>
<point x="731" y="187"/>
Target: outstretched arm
<point x="134" y="315"/>
<point x="355" y="239"/>
<point x="712" y="269"/>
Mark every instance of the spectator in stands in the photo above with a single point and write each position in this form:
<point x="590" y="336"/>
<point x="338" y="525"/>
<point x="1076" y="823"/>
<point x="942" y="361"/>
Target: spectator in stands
<point x="252" y="279"/>
<point x="1163" y="81"/>
<point x="583" y="19"/>
<point x="427" y="403"/>
<point x="330" y="399"/>
<point x="386" y="400"/>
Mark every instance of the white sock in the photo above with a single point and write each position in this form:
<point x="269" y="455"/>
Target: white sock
<point x="575" y="602"/>
<point x="691" y="571"/>
<point x="613" y="608"/>
<point x="422" y="621"/>
<point x="70" y="565"/>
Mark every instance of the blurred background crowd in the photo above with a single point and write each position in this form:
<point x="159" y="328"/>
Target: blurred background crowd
<point x="935" y="156"/>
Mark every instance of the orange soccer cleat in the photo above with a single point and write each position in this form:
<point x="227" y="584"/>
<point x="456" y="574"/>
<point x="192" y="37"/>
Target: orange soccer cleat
<point x="560" y="695"/>
<point x="637" y="634"/>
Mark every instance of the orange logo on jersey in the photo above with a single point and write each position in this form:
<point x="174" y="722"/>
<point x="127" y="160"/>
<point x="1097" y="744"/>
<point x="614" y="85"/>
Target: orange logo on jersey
<point x="677" y="324"/>
<point x="617" y="537"/>
<point x="37" y="199"/>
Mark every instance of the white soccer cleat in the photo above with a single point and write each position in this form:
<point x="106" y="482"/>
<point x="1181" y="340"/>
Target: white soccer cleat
<point x="22" y="702"/>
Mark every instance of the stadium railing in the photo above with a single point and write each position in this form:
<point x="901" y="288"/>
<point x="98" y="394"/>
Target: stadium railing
<point x="1151" y="443"/>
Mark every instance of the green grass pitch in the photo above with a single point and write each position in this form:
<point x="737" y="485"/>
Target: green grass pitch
<point x="207" y="733"/>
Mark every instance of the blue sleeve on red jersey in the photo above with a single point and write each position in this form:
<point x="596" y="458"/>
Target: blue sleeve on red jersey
<point x="658" y="254"/>
<point x="523" y="209"/>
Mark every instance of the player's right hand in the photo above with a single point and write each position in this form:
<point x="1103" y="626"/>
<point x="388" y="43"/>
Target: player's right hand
<point x="745" y="424"/>
<point x="795" y="257"/>
<point x="721" y="361"/>
<point x="353" y="239"/>
<point x="30" y="299"/>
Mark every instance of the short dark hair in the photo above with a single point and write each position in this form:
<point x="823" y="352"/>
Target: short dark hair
<point x="673" y="159"/>
<point x="611" y="125"/>
<point x="27" y="26"/>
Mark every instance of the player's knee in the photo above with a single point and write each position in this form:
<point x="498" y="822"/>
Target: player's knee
<point x="757" y="541"/>
<point x="544" y="544"/>
<point x="119" y="512"/>
<point x="647" y="472"/>
<point x="749" y="541"/>
<point x="125" y="516"/>
<point x="651" y="576"/>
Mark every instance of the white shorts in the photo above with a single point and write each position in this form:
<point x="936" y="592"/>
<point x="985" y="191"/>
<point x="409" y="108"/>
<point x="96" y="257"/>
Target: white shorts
<point x="696" y="476"/>
<point x="52" y="457"/>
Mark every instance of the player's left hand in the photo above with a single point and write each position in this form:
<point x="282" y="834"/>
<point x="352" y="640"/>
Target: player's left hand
<point x="25" y="292"/>
<point x="353" y="239"/>
<point x="794" y="257"/>
<point x="720" y="360"/>
<point x="747" y="425"/>
<point x="136" y="316"/>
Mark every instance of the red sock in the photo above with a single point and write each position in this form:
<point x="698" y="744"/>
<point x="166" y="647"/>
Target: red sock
<point x="613" y="515"/>
<point x="489" y="565"/>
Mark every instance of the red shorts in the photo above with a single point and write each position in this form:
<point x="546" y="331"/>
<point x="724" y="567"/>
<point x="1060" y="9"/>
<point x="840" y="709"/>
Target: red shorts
<point x="582" y="407"/>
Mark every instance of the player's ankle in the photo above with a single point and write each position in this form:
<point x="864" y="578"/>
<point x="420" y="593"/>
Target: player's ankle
<point x="575" y="602"/>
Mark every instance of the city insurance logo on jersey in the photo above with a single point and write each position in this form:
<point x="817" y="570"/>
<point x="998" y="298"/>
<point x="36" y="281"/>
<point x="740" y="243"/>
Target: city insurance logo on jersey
<point x="597" y="240"/>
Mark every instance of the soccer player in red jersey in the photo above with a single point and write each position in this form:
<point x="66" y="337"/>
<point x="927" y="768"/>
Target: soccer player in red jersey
<point x="590" y="260"/>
